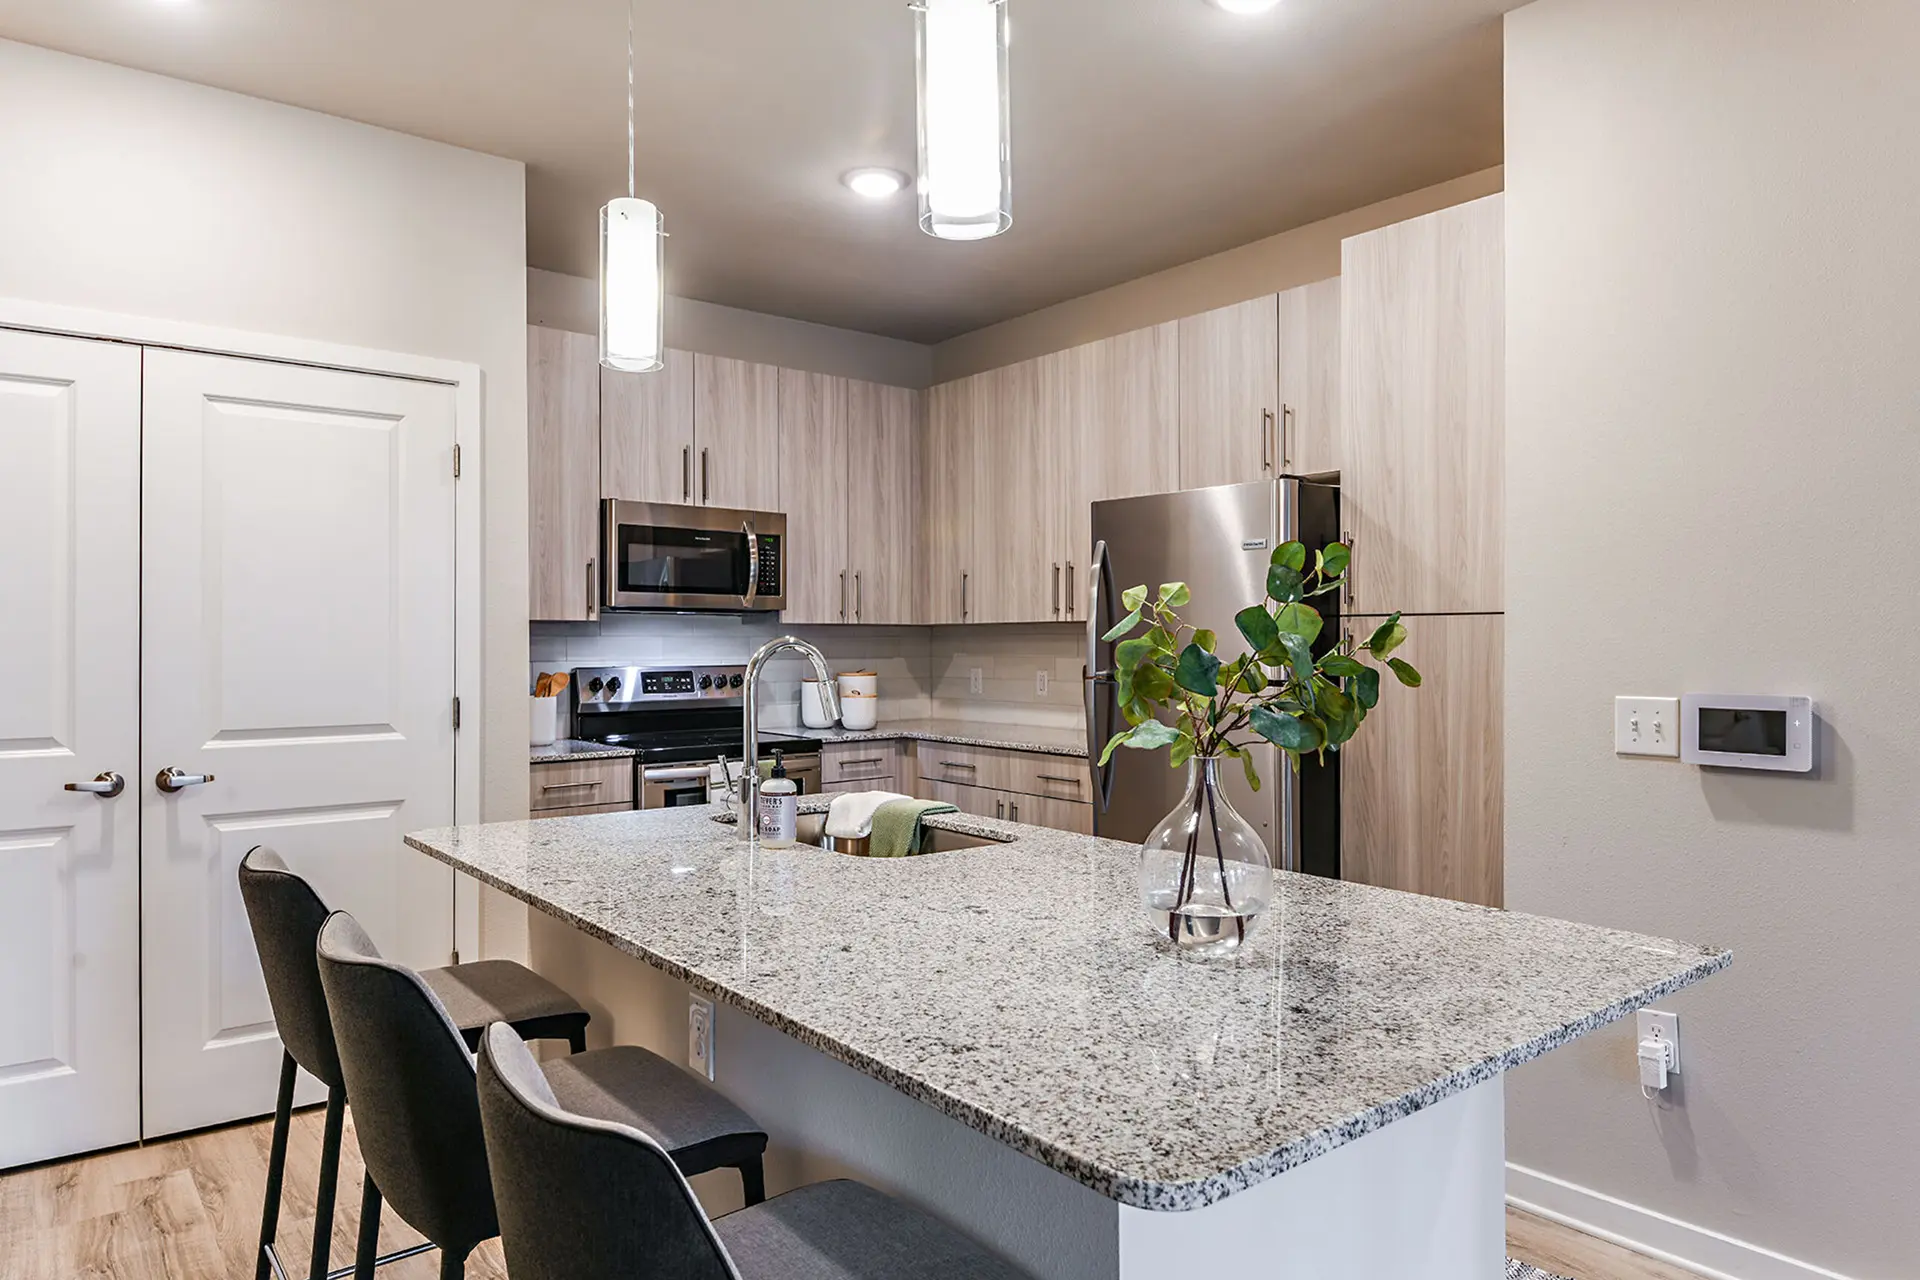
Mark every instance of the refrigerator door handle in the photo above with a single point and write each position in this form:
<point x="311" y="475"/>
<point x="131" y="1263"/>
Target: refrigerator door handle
<point x="1100" y="587"/>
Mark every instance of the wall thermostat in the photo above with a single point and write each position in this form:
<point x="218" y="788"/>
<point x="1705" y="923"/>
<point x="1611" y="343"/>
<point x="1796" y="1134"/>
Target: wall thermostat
<point x="1747" y="731"/>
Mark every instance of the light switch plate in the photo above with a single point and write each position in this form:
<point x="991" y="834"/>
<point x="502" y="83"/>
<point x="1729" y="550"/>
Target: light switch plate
<point x="1646" y="727"/>
<point x="1040" y="684"/>
<point x="975" y="684"/>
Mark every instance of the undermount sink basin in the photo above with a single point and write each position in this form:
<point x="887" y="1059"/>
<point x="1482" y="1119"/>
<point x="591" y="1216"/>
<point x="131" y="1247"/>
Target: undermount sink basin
<point x="811" y="828"/>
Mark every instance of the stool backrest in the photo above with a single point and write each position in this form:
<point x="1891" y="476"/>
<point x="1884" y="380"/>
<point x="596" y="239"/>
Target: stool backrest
<point x="583" y="1199"/>
<point x="285" y="915"/>
<point x="411" y="1086"/>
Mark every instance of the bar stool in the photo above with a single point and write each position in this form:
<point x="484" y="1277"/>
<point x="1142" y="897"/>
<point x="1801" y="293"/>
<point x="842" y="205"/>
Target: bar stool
<point x="582" y="1199"/>
<point x="286" y="914"/>
<point x="410" y="1079"/>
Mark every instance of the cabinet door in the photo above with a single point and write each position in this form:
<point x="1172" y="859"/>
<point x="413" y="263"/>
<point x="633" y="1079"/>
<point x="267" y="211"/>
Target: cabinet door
<point x="1045" y="811"/>
<point x="1309" y="379"/>
<point x="1127" y="412"/>
<point x="981" y="802"/>
<point x="563" y="475"/>
<point x="1010" y="580"/>
<point x="1062" y="490"/>
<point x="946" y="501"/>
<point x="646" y="433"/>
<point x="1228" y="399"/>
<point x="884" y="429"/>
<point x="1422" y="790"/>
<point x="736" y="433"/>
<point x="815" y="494"/>
<point x="1423" y="412"/>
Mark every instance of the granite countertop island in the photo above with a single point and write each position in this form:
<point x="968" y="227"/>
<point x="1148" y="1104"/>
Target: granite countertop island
<point x="1016" y="988"/>
<point x="1038" y="739"/>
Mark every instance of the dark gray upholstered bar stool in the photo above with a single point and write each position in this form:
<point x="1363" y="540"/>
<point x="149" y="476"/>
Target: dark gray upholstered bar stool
<point x="286" y="914"/>
<point x="586" y="1199"/>
<point x="410" y="1079"/>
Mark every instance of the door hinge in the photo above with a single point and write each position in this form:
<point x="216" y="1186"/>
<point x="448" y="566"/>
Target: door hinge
<point x="456" y="462"/>
<point x="456" y="955"/>
<point x="456" y="711"/>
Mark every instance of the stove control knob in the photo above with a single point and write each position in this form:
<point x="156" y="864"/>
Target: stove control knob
<point x="593" y="685"/>
<point x="706" y="682"/>
<point x="613" y="685"/>
<point x="734" y="680"/>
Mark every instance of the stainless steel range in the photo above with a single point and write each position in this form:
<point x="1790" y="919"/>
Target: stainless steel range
<point x="680" y="722"/>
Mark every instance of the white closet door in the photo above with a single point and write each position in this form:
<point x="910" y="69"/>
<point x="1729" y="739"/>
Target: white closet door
<point x="297" y="609"/>
<point x="69" y="691"/>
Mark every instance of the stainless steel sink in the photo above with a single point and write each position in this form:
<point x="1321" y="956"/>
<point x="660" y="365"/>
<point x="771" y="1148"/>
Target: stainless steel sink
<point x="811" y="828"/>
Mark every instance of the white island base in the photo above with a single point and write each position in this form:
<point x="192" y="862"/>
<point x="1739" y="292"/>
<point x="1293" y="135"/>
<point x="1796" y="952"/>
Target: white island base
<point x="1422" y="1198"/>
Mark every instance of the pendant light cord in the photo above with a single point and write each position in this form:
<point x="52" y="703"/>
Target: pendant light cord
<point x="629" y="99"/>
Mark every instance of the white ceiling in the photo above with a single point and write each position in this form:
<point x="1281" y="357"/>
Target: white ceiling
<point x="1146" y="133"/>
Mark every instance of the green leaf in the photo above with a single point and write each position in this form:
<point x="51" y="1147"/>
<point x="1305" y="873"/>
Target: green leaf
<point x="1246" y="763"/>
<point x="1289" y="732"/>
<point x="1300" y="654"/>
<point x="1293" y="555"/>
<point x="1298" y="619"/>
<point x="1174" y="594"/>
<point x="1123" y="626"/>
<point x="1153" y="683"/>
<point x="1151" y="735"/>
<point x="1387" y="637"/>
<point x="1206" y="640"/>
<point x="1257" y="625"/>
<point x="1404" y="670"/>
<point x="1342" y="667"/>
<point x="1128" y="656"/>
<point x="1336" y="558"/>
<point x="1338" y="710"/>
<point x="1197" y="671"/>
<point x="1182" y="751"/>
<point x="1160" y="639"/>
<point x="1283" y="581"/>
<point x="1366" y="686"/>
<point x="1134" y="597"/>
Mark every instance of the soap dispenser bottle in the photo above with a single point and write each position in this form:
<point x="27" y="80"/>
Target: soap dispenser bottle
<point x="779" y="807"/>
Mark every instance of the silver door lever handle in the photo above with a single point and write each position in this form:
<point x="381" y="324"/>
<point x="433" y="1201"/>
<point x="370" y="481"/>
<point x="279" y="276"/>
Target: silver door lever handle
<point x="105" y="785"/>
<point x="171" y="779"/>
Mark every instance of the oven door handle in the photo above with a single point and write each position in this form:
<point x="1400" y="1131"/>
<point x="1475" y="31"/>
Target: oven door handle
<point x="682" y="773"/>
<point x="753" y="563"/>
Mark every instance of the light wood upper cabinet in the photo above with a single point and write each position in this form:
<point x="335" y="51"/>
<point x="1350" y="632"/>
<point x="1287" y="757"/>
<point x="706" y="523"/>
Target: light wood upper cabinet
<point x="815" y="494"/>
<point x="880" y="501"/>
<point x="1128" y="412"/>
<point x="736" y="425"/>
<point x="1308" y="379"/>
<point x="1422" y="414"/>
<point x="1422" y="792"/>
<point x="1064" y="504"/>
<point x="1228" y="394"/>
<point x="563" y="474"/>
<point x="646" y="433"/>
<point x="1009" y="576"/>
<point x="946" y="500"/>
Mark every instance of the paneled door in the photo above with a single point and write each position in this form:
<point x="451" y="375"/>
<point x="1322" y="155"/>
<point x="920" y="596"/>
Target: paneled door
<point x="70" y="668"/>
<point x="297" y="645"/>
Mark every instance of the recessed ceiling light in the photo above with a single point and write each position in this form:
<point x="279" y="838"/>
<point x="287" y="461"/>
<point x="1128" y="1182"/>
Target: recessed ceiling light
<point x="875" y="184"/>
<point x="1246" y="6"/>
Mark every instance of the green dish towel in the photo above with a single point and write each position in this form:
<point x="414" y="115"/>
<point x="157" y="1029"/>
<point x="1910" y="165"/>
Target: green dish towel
<point x="896" y="826"/>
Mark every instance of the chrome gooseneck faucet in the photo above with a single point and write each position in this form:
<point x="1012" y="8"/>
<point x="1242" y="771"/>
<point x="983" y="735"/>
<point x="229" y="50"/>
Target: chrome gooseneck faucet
<point x="750" y="754"/>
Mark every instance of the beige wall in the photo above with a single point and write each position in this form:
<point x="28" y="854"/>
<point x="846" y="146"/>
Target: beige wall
<point x="132" y="193"/>
<point x="1291" y="258"/>
<point x="572" y="303"/>
<point x="1714" y="447"/>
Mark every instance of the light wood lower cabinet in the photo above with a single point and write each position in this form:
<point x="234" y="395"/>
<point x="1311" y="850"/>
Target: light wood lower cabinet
<point x="599" y="785"/>
<point x="563" y="475"/>
<point x="859" y="762"/>
<point x="1011" y="806"/>
<point x="1422" y="787"/>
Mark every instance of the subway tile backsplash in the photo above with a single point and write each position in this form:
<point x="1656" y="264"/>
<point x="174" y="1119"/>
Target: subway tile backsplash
<point x="924" y="671"/>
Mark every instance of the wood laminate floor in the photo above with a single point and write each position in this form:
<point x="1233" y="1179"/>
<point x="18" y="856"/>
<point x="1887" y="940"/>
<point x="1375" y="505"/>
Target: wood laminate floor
<point x="189" y="1209"/>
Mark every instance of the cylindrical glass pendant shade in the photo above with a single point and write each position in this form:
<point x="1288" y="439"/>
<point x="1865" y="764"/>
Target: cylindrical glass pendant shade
<point x="632" y="299"/>
<point x="966" y="176"/>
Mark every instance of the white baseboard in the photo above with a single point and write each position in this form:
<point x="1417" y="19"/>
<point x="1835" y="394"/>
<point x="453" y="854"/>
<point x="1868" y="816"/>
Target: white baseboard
<point x="1711" y="1254"/>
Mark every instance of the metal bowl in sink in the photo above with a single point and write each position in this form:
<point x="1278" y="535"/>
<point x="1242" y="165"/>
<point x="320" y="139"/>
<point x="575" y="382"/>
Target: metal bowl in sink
<point x="811" y="828"/>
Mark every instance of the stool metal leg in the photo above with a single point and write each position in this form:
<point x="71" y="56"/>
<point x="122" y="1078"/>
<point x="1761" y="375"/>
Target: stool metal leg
<point x="329" y="1182"/>
<point x="276" y="1168"/>
<point x="753" y="1181"/>
<point x="577" y="1039"/>
<point x="366" y="1257"/>
<point x="452" y="1268"/>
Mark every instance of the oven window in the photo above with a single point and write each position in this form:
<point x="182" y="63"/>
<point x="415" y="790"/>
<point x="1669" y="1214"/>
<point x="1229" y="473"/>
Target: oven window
<point x="661" y="561"/>
<point x="675" y="797"/>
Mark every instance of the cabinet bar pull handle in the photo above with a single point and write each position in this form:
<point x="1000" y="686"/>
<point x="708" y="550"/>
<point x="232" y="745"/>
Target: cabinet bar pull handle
<point x="963" y="597"/>
<point x="957" y="764"/>
<point x="1054" y="777"/>
<point x="843" y="595"/>
<point x="863" y="760"/>
<point x="1069" y="588"/>
<point x="1347" y="590"/>
<point x="1000" y="809"/>
<point x="703" y="475"/>
<point x="1013" y="810"/>
<point x="1286" y="436"/>
<point x="1266" y="439"/>
<point x="593" y="593"/>
<point x="856" y="597"/>
<point x="1056" y="591"/>
<point x="564" y="786"/>
<point x="686" y="473"/>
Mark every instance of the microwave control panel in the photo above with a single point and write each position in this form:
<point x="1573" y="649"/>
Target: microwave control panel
<point x="770" y="565"/>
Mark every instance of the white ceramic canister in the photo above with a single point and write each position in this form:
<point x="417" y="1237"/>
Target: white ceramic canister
<point x="543" y="720"/>
<point x="859" y="699"/>
<point x="813" y="712"/>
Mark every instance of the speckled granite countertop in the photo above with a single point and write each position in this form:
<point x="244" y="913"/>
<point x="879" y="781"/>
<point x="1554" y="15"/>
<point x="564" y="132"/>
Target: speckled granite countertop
<point x="1016" y="987"/>
<point x="1043" y="739"/>
<point x="576" y="749"/>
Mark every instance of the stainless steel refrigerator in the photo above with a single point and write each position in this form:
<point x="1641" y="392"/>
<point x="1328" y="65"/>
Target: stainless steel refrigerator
<point x="1218" y="541"/>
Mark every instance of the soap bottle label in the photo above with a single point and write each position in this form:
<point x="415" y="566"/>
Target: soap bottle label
<point x="778" y="814"/>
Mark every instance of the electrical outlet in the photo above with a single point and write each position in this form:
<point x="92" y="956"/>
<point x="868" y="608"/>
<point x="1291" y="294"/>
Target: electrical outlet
<point x="976" y="681"/>
<point x="1039" y="684"/>
<point x="1655" y="1025"/>
<point x="1646" y="727"/>
<point x="700" y="1035"/>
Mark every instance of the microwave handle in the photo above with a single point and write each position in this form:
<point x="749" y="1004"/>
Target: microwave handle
<point x="753" y="561"/>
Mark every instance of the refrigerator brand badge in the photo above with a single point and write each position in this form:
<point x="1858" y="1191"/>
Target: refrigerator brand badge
<point x="1254" y="544"/>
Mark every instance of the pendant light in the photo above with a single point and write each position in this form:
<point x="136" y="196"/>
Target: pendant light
<point x="632" y="297"/>
<point x="965" y="167"/>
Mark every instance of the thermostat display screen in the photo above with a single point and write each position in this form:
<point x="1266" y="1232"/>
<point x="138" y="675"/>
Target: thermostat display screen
<point x="1743" y="731"/>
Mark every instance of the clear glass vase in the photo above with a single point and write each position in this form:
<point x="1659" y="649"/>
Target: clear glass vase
<point x="1205" y="875"/>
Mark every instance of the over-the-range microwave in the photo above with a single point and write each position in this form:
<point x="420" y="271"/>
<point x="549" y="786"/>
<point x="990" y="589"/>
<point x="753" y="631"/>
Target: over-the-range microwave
<point x="660" y="556"/>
